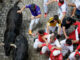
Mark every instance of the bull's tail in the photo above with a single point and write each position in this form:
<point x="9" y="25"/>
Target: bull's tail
<point x="17" y="2"/>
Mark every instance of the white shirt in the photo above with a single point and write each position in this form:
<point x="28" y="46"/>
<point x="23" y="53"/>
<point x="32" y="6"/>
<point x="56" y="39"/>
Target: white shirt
<point x="56" y="43"/>
<point x="72" y="57"/>
<point x="77" y="3"/>
<point x="65" y="48"/>
<point x="63" y="8"/>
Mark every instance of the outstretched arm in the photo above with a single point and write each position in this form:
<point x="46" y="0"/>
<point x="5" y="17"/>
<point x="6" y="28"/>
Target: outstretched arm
<point x="38" y="16"/>
<point x="19" y="11"/>
<point x="74" y="9"/>
<point x="64" y="14"/>
<point x="47" y="27"/>
<point x="50" y="1"/>
<point x="64" y="31"/>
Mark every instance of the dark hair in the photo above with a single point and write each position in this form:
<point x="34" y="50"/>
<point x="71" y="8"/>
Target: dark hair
<point x="56" y="17"/>
<point x="77" y="56"/>
<point x="58" y="36"/>
<point x="33" y="6"/>
<point x="69" y="41"/>
<point x="70" y="19"/>
<point x="61" y="1"/>
<point x="41" y="31"/>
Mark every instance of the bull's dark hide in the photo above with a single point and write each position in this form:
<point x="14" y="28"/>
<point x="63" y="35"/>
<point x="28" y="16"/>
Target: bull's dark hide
<point x="14" y="19"/>
<point x="9" y="37"/>
<point x="1" y="1"/>
<point x="21" y="52"/>
<point x="13" y="25"/>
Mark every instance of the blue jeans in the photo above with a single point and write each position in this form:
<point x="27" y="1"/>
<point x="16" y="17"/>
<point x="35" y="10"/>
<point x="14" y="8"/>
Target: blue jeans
<point x="77" y="12"/>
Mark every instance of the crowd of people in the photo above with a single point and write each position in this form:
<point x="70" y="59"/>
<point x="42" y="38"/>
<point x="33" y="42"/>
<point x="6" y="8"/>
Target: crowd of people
<point x="47" y="41"/>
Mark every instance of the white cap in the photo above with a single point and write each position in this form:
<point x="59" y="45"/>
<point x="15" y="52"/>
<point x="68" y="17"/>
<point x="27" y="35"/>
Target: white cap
<point x="56" y="52"/>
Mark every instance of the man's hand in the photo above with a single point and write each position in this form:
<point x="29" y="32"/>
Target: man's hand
<point x="39" y="45"/>
<point x="68" y="59"/>
<point x="66" y="37"/>
<point x="47" y="43"/>
<point x="19" y="11"/>
<point x="33" y="34"/>
<point x="32" y="17"/>
<point x="72" y="15"/>
<point x="46" y="3"/>
<point x="76" y="50"/>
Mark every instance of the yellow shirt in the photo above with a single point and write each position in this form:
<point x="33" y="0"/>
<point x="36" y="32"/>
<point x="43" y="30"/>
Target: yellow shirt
<point x="53" y="24"/>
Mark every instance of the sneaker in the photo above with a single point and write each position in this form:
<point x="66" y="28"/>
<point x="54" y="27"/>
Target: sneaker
<point x="30" y="32"/>
<point x="45" y="15"/>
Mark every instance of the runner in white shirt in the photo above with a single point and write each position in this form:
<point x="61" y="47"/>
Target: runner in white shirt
<point x="74" y="56"/>
<point x="66" y="46"/>
<point x="62" y="8"/>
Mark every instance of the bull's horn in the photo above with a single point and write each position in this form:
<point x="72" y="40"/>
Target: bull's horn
<point x="1" y="44"/>
<point x="13" y="45"/>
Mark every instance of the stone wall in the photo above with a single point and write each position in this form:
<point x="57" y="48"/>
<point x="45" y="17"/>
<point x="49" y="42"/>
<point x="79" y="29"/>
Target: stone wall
<point x="4" y="8"/>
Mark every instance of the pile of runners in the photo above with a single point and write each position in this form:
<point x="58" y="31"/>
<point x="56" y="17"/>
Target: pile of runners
<point x="49" y="42"/>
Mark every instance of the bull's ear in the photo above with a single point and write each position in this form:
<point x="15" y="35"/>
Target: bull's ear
<point x="13" y="45"/>
<point x="1" y="44"/>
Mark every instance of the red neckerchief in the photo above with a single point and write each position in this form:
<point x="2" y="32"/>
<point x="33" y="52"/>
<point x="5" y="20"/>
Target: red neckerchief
<point x="77" y="53"/>
<point x="60" y="4"/>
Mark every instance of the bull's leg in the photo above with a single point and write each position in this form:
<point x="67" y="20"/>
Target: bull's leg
<point x="7" y="50"/>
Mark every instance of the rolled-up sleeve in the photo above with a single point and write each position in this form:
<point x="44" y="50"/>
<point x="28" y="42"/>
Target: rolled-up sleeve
<point x="27" y="6"/>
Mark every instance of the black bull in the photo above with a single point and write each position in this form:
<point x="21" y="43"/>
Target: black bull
<point x="13" y="25"/>
<point x="21" y="52"/>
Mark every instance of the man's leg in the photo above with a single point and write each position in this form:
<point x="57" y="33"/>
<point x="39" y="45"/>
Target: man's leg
<point x="37" y="20"/>
<point x="52" y="28"/>
<point x="31" y="25"/>
<point x="45" y="8"/>
<point x="44" y="49"/>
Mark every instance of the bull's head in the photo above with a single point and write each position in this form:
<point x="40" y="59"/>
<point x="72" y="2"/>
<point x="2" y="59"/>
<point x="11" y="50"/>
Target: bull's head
<point x="7" y="49"/>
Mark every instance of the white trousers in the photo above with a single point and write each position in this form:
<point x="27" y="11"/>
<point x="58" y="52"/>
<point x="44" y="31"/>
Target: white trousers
<point x="49" y="58"/>
<point x="34" y="21"/>
<point x="53" y="29"/>
<point x="44" y="49"/>
<point x="45" y="6"/>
